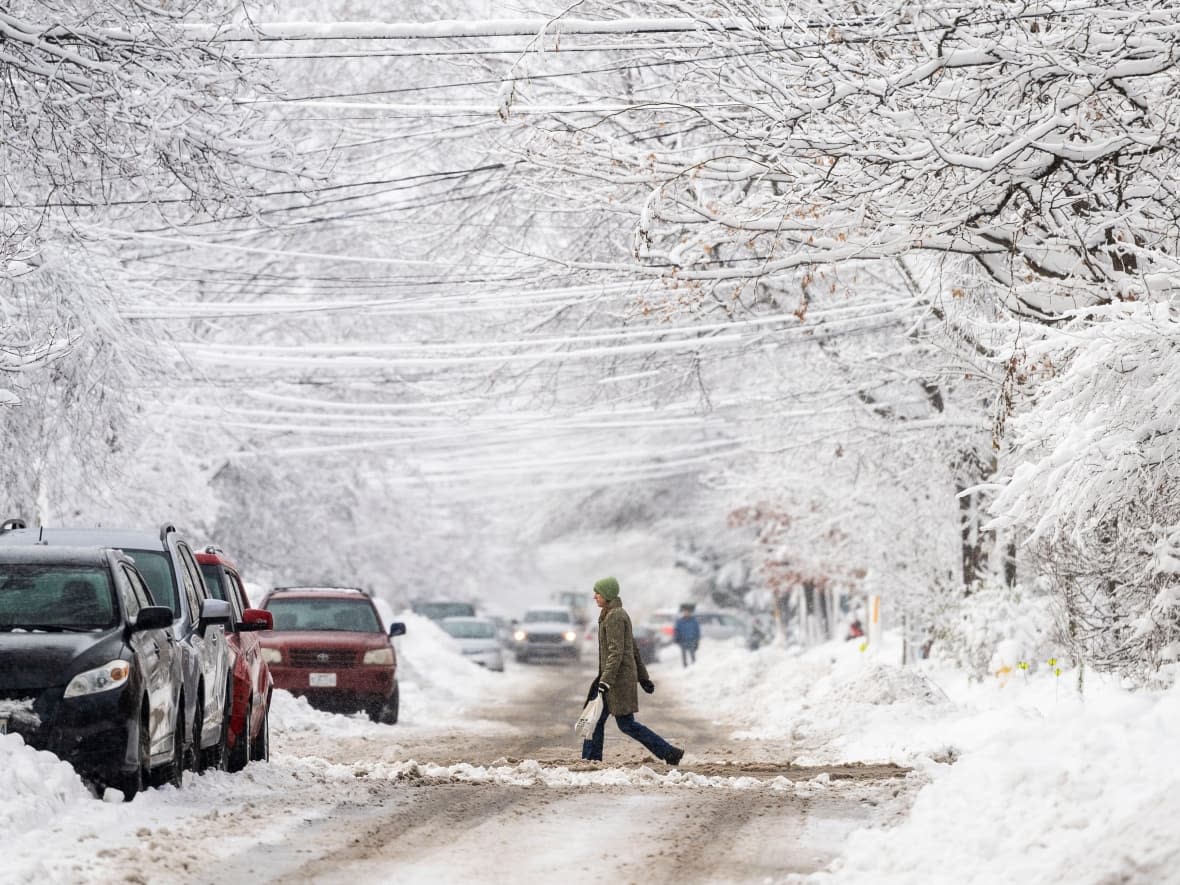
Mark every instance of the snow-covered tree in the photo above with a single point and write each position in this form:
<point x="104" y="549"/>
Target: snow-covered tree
<point x="118" y="125"/>
<point x="1093" y="478"/>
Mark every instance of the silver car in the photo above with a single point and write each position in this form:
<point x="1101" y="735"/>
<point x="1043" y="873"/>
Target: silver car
<point x="549" y="633"/>
<point x="477" y="639"/>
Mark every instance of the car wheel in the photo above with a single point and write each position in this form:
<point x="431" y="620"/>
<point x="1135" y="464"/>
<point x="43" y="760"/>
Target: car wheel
<point x="174" y="770"/>
<point x="260" y="746"/>
<point x="135" y="782"/>
<point x="217" y="756"/>
<point x="389" y="716"/>
<point x="239" y="756"/>
<point x="194" y="759"/>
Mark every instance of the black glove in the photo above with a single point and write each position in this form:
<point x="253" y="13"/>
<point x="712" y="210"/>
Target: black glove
<point x="594" y="689"/>
<point x="647" y="685"/>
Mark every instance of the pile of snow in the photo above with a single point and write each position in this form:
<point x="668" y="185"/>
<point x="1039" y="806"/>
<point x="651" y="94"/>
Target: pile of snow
<point x="35" y="785"/>
<point x="883" y="684"/>
<point x="1089" y="793"/>
<point x="1023" y="777"/>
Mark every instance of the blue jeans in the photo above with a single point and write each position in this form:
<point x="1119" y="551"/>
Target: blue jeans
<point x="656" y="745"/>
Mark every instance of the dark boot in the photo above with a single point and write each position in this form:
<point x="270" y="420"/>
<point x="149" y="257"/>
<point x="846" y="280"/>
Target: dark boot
<point x="674" y="756"/>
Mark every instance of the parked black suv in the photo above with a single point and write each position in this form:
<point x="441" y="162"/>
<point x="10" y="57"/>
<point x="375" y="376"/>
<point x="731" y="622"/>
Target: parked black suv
<point x="88" y="667"/>
<point x="198" y="622"/>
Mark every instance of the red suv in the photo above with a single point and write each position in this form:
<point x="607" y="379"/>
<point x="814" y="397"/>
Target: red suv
<point x="249" y="720"/>
<point x="329" y="646"/>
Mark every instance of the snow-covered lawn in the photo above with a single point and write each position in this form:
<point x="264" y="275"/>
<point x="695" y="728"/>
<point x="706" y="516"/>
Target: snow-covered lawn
<point x="1021" y="782"/>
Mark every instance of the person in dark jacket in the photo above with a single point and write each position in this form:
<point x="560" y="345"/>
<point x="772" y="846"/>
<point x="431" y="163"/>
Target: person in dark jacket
<point x="687" y="634"/>
<point x="619" y="672"/>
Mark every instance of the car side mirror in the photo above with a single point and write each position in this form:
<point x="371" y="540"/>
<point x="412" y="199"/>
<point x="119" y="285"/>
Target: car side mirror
<point x="397" y="628"/>
<point x="254" y="619"/>
<point x="152" y="617"/>
<point x="215" y="611"/>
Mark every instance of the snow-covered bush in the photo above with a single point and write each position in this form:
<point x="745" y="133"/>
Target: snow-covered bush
<point x="969" y="631"/>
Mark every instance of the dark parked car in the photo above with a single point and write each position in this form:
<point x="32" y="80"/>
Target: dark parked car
<point x="249" y="721"/>
<point x="198" y="621"/>
<point x="647" y="643"/>
<point x="329" y="645"/>
<point x="89" y="669"/>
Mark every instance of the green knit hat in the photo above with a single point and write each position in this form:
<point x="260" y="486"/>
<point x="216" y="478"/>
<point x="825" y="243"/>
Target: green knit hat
<point x="607" y="588"/>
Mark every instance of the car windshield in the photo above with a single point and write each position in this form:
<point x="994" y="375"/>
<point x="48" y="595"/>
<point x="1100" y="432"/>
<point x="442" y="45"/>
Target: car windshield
<point x="56" y="598"/>
<point x="348" y="615"/>
<point x="547" y="616"/>
<point x="470" y="629"/>
<point x="439" y="610"/>
<point x="157" y="571"/>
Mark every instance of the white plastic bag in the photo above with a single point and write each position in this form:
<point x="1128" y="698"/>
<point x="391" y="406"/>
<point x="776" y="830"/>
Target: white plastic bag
<point x="591" y="713"/>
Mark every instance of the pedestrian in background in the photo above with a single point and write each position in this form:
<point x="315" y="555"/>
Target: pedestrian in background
<point x="687" y="634"/>
<point x="620" y="671"/>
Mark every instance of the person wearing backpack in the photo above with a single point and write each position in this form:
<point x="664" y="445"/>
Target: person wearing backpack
<point x="620" y="674"/>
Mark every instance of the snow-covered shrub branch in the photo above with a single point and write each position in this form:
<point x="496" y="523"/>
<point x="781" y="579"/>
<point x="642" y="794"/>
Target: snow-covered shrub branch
<point x="1094" y="478"/>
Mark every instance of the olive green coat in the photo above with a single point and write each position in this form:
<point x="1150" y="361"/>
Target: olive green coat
<point x="618" y="660"/>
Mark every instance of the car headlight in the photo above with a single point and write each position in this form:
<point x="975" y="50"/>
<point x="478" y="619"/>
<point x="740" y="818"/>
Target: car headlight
<point x="570" y="635"/>
<point x="272" y="655"/>
<point x="520" y="636"/>
<point x="110" y="675"/>
<point x="378" y="656"/>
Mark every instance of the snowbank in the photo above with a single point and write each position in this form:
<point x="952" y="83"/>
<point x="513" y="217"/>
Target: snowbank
<point x="34" y="786"/>
<point x="1088" y="794"/>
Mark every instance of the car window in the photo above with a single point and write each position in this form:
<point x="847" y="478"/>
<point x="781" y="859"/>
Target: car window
<point x="536" y="616"/>
<point x="356" y="615"/>
<point x="214" y="583"/>
<point x="439" y="610"/>
<point x="470" y="629"/>
<point x="142" y="594"/>
<point x="237" y="595"/>
<point x="156" y="568"/>
<point x="194" y="585"/>
<point x="131" y="603"/>
<point x="56" y="598"/>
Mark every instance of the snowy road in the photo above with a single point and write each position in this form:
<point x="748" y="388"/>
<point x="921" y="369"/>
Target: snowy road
<point x="505" y="799"/>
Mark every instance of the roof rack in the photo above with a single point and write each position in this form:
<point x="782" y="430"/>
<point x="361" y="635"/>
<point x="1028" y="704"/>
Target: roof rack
<point x="14" y="523"/>
<point x="165" y="530"/>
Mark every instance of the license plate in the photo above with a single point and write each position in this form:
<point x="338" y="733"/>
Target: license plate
<point x="321" y="680"/>
<point x="3" y="725"/>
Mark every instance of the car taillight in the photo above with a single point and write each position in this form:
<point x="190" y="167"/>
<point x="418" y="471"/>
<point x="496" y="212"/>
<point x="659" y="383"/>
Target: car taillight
<point x="667" y="628"/>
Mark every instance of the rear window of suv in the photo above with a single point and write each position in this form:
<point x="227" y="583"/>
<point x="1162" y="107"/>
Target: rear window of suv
<point x="304" y="613"/>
